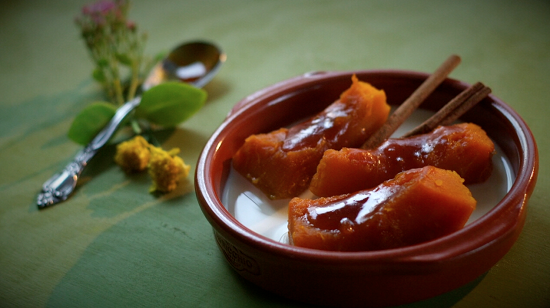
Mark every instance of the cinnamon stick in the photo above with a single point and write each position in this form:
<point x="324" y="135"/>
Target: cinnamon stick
<point x="417" y="97"/>
<point x="453" y="110"/>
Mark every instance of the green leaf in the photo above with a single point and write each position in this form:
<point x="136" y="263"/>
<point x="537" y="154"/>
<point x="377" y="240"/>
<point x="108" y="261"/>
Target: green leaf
<point x="98" y="75"/>
<point x="170" y="103"/>
<point x="89" y="122"/>
<point x="103" y="62"/>
<point x="124" y="59"/>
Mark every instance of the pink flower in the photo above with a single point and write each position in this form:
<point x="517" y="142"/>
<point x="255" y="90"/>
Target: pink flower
<point x="131" y="25"/>
<point x="100" y="7"/>
<point x="99" y="11"/>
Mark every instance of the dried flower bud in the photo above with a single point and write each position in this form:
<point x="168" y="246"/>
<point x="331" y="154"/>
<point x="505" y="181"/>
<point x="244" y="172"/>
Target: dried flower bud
<point x="133" y="155"/>
<point x="166" y="169"/>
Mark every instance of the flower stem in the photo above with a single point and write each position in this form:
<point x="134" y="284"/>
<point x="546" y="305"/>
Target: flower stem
<point x="135" y="80"/>
<point x="135" y="127"/>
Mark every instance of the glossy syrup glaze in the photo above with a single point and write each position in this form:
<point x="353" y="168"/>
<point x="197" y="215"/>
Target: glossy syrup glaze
<point x="417" y="205"/>
<point x="270" y="217"/>
<point x="464" y="148"/>
<point x="327" y="127"/>
<point x="357" y="113"/>
<point x="346" y="213"/>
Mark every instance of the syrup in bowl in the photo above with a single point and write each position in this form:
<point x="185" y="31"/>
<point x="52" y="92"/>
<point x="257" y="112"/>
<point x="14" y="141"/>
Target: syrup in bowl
<point x="269" y="218"/>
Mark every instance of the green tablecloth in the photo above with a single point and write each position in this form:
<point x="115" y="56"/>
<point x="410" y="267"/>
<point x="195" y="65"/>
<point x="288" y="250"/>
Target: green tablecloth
<point x="115" y="245"/>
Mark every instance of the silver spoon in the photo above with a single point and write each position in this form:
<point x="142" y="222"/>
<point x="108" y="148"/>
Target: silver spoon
<point x="195" y="63"/>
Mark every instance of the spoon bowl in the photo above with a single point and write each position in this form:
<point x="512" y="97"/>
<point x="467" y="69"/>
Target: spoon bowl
<point x="194" y="62"/>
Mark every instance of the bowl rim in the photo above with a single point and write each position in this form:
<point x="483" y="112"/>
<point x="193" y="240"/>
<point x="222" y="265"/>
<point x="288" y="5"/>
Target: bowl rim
<point x="500" y="222"/>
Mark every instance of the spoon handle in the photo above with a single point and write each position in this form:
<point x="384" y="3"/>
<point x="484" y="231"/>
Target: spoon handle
<point x="60" y="186"/>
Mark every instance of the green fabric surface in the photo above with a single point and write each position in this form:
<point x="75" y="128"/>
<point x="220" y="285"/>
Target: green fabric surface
<point x="112" y="244"/>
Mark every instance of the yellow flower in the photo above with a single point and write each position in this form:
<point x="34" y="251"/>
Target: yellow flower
<point x="133" y="155"/>
<point x="166" y="169"/>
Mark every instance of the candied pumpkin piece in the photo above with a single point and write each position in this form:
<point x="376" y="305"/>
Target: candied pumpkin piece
<point x="464" y="148"/>
<point x="418" y="205"/>
<point x="281" y="163"/>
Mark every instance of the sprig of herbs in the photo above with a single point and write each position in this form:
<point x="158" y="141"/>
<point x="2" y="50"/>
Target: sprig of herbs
<point x="115" y="45"/>
<point x="116" y="48"/>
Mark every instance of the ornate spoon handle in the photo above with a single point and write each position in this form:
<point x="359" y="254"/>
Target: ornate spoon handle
<point x="60" y="186"/>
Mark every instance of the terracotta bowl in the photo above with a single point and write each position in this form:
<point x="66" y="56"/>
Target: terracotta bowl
<point x="378" y="278"/>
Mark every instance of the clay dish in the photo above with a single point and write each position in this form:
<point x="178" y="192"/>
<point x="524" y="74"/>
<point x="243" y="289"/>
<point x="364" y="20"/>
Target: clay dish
<point x="379" y="278"/>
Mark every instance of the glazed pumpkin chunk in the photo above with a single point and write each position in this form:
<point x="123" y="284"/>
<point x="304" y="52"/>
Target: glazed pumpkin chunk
<point x="281" y="163"/>
<point x="418" y="205"/>
<point x="464" y="148"/>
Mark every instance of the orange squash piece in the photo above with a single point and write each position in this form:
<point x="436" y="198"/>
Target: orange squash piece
<point x="464" y="148"/>
<point x="281" y="163"/>
<point x="416" y="206"/>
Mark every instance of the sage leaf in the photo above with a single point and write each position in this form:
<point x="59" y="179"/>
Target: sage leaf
<point x="89" y="122"/>
<point x="98" y="75"/>
<point x="170" y="103"/>
<point x="124" y="59"/>
<point x="102" y="62"/>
